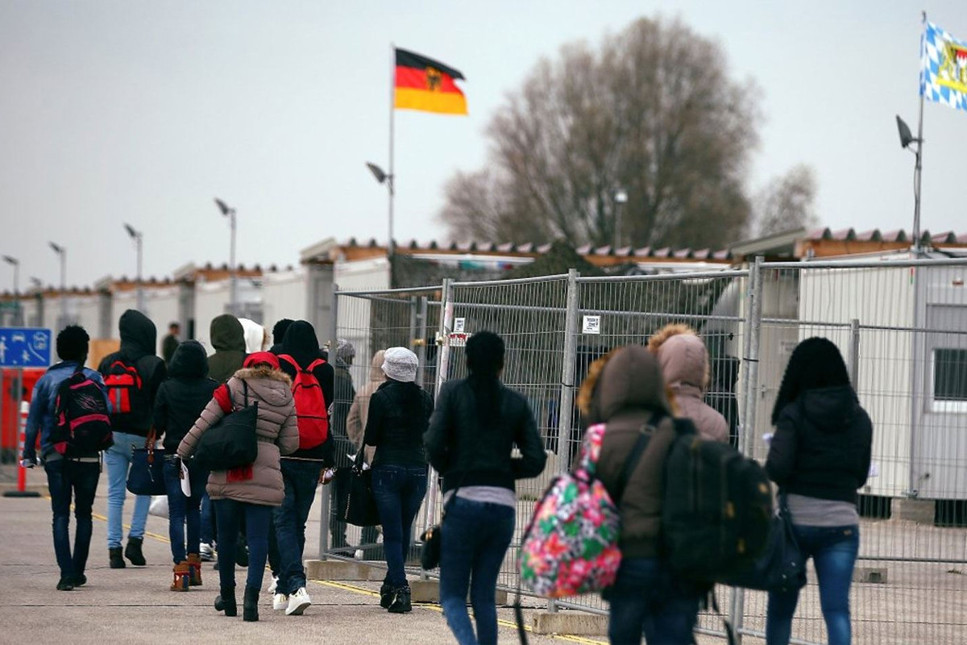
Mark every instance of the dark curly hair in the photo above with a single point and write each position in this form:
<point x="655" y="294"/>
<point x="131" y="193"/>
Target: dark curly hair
<point x="72" y="343"/>
<point x="815" y="363"/>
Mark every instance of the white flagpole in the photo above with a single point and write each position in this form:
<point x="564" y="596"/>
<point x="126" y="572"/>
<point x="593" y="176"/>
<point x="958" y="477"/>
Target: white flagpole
<point x="917" y="249"/>
<point x="391" y="178"/>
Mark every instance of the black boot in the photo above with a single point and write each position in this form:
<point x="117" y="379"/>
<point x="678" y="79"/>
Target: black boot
<point x="114" y="554"/>
<point x="400" y="601"/>
<point x="133" y="552"/>
<point x="225" y="601"/>
<point x="250" y="607"/>
<point x="385" y="595"/>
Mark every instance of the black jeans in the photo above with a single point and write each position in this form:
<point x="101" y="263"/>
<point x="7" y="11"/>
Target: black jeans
<point x="66" y="477"/>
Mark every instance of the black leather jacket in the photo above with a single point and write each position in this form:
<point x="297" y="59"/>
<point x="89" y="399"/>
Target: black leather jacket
<point x="470" y="452"/>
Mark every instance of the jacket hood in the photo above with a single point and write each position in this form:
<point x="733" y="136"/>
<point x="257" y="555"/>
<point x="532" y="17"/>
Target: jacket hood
<point x="270" y="385"/>
<point x="254" y="335"/>
<point x="301" y="343"/>
<point x="376" y="374"/>
<point x="138" y="335"/>
<point x="630" y="380"/>
<point x="189" y="361"/>
<point x="682" y="356"/>
<point x="830" y="408"/>
<point x="227" y="334"/>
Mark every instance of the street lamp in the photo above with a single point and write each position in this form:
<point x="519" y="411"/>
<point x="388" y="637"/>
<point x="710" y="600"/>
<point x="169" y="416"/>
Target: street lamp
<point x="620" y="197"/>
<point x="137" y="237"/>
<point x="62" y="252"/>
<point x="385" y="178"/>
<point x="233" y="279"/>
<point x="16" y="287"/>
<point x="906" y="138"/>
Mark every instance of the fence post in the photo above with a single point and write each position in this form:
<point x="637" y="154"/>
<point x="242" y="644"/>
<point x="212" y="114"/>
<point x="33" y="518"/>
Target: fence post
<point x="854" y="351"/>
<point x="753" y="330"/>
<point x="443" y="363"/>
<point x="420" y="337"/>
<point x="324" y="509"/>
<point x="565" y="414"/>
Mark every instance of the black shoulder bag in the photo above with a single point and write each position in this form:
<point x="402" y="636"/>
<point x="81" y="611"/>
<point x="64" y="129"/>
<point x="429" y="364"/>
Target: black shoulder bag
<point x="232" y="442"/>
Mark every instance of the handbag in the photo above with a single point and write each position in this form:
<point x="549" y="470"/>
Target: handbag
<point x="781" y="567"/>
<point x="432" y="539"/>
<point x="147" y="473"/>
<point x="232" y="442"/>
<point x="361" y="503"/>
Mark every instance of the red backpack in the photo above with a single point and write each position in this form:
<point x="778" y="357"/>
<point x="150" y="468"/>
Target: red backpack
<point x="310" y="404"/>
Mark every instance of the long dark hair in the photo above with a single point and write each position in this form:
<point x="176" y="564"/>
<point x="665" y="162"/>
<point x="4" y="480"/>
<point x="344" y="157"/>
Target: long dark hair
<point x="485" y="359"/>
<point x="815" y="363"/>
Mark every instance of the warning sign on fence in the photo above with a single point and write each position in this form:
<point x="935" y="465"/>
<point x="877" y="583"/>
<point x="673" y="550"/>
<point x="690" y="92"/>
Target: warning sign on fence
<point x="458" y="339"/>
<point x="591" y="325"/>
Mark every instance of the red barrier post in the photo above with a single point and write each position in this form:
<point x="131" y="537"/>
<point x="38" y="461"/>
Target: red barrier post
<point x="21" y="470"/>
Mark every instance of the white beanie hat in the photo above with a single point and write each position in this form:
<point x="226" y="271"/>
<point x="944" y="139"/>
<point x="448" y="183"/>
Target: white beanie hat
<point x="400" y="364"/>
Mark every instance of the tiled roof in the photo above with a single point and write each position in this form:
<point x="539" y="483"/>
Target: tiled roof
<point x="875" y="235"/>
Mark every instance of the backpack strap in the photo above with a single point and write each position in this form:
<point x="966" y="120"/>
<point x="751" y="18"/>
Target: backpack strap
<point x="314" y="364"/>
<point x="291" y="361"/>
<point x="632" y="462"/>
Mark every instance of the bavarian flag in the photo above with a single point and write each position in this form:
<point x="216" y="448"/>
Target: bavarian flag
<point x="425" y="84"/>
<point x="943" y="68"/>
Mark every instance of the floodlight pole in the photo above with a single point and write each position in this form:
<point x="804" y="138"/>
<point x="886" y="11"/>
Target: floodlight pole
<point x="229" y="212"/>
<point x="15" y="263"/>
<point x="917" y="249"/>
<point x="391" y="177"/>
<point x="62" y="252"/>
<point x="137" y="236"/>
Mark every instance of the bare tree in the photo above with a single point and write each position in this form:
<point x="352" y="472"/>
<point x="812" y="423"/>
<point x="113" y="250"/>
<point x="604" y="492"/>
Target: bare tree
<point x="652" y="112"/>
<point x="786" y="203"/>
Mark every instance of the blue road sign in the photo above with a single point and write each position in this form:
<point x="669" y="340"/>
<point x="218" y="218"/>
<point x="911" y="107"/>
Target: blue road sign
<point x="24" y="347"/>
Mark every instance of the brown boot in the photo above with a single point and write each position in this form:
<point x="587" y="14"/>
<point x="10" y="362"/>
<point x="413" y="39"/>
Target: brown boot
<point x="182" y="576"/>
<point x="194" y="562"/>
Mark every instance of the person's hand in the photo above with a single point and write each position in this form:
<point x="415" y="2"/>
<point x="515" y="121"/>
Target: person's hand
<point x="326" y="476"/>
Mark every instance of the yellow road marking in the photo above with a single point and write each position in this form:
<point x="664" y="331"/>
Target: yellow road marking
<point x="437" y="608"/>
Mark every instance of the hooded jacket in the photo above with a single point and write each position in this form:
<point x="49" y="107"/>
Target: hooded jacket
<point x="228" y="339"/>
<point x="302" y="344"/>
<point x="277" y="430"/>
<point x="359" y="410"/>
<point x="627" y="396"/>
<point x="184" y="395"/>
<point x="685" y="368"/>
<point x="139" y="337"/>
<point x="822" y="445"/>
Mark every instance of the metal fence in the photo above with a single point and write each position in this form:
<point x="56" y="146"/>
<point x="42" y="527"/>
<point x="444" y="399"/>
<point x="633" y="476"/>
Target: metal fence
<point x="901" y="326"/>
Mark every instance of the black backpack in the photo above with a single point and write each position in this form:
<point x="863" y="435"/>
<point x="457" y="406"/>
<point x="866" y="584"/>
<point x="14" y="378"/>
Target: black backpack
<point x="128" y="393"/>
<point x="717" y="508"/>
<point x="82" y="426"/>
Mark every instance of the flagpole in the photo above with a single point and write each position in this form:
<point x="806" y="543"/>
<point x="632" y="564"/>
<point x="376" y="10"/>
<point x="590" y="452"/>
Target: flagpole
<point x="391" y="178"/>
<point x="917" y="170"/>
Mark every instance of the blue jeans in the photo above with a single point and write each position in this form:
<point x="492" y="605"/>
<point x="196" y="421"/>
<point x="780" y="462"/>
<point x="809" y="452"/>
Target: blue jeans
<point x="229" y="514"/>
<point x="646" y="598"/>
<point x="474" y="541"/>
<point x="399" y="491"/>
<point x="117" y="458"/>
<point x="207" y="534"/>
<point x="183" y="510"/>
<point x="301" y="479"/>
<point x="64" y="478"/>
<point x="834" y="551"/>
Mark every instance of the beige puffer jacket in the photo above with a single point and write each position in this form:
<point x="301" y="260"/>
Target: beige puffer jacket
<point x="359" y="410"/>
<point x="685" y="367"/>
<point x="277" y="430"/>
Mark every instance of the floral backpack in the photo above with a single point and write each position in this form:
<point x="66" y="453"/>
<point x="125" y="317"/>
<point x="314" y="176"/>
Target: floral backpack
<point x="570" y="546"/>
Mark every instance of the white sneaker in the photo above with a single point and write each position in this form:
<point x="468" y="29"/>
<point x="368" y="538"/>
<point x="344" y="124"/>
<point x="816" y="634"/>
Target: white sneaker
<point x="280" y="601"/>
<point x="298" y="602"/>
<point x="274" y="585"/>
<point x="206" y="553"/>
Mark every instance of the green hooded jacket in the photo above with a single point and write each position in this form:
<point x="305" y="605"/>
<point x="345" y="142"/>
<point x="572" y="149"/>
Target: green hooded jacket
<point x="228" y="339"/>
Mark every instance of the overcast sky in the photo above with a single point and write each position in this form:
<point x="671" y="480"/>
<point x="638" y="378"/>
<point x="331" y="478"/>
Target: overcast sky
<point x="142" y="112"/>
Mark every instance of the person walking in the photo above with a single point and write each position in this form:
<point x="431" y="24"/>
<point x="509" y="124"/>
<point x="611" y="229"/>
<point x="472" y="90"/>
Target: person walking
<point x="248" y="492"/>
<point x="473" y="431"/>
<point x="132" y="376"/>
<point x="343" y="395"/>
<point x="170" y="342"/>
<point x="313" y="394"/>
<point x="179" y="403"/>
<point x="625" y="390"/>
<point x="67" y="476"/>
<point x="819" y="456"/>
<point x="399" y="412"/>
<point x="355" y="429"/>
<point x="685" y="368"/>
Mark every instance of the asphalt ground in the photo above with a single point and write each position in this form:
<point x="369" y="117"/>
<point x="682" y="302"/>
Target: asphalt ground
<point x="134" y="605"/>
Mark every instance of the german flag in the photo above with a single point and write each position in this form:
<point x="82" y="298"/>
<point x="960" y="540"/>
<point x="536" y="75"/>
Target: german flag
<point x="425" y="84"/>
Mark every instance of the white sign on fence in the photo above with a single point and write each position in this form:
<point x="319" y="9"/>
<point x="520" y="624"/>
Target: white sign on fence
<point x="591" y="325"/>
